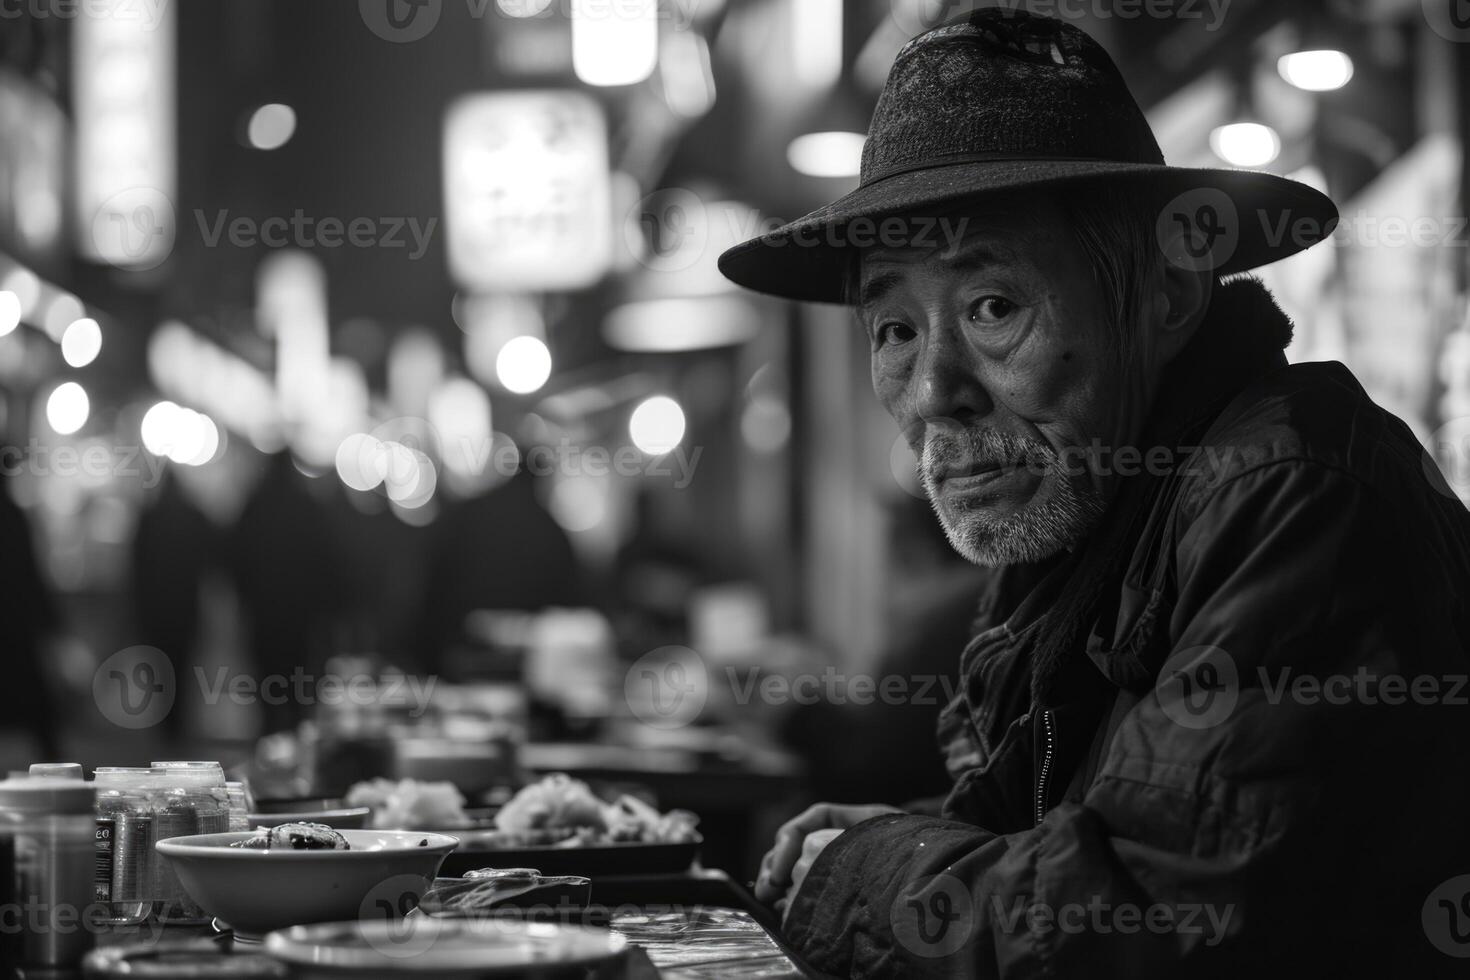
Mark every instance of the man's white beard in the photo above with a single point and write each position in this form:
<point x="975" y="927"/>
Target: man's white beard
<point x="1038" y="530"/>
<point x="1035" y="532"/>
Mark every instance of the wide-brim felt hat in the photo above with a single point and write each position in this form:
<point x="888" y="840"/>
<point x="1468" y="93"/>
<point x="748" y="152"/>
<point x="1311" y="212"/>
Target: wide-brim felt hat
<point x="1001" y="103"/>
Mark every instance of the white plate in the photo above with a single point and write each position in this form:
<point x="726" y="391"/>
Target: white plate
<point x="489" y="947"/>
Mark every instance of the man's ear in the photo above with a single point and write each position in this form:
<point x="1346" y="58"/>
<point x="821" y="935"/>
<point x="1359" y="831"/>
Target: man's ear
<point x="1180" y="298"/>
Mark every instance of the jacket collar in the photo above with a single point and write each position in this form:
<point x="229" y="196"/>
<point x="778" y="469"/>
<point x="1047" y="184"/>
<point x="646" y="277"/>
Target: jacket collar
<point x="1240" y="339"/>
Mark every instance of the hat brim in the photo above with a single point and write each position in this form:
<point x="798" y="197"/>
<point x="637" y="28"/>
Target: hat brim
<point x="810" y="259"/>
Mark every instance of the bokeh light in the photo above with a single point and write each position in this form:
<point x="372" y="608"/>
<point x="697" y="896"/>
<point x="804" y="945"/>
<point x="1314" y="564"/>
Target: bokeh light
<point x="827" y="154"/>
<point x="9" y="311"/>
<point x="1245" y="144"/>
<point x="81" y="342"/>
<point x="657" y="425"/>
<point x="1323" y="70"/>
<point x="67" y="408"/>
<point x="523" y="365"/>
<point x="180" y="434"/>
<point x="271" y="126"/>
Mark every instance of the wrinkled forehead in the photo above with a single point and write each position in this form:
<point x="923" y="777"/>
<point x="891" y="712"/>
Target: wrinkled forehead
<point x="962" y="242"/>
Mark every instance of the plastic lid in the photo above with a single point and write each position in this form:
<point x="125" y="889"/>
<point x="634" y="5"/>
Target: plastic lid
<point x="47" y="794"/>
<point x="61" y="770"/>
<point x="189" y="775"/>
<point x="113" y="775"/>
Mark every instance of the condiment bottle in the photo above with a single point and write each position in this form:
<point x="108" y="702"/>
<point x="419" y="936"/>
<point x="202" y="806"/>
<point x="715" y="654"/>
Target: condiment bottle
<point x="47" y="828"/>
<point x="124" y="880"/>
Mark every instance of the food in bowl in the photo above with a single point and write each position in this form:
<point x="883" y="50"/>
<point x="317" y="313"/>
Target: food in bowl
<point x="296" y="837"/>
<point x="559" y="811"/>
<point x="254" y="890"/>
<point x="410" y="804"/>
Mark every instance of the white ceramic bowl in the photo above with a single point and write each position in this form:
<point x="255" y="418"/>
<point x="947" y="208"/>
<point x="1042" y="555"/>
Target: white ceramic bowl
<point x="256" y="891"/>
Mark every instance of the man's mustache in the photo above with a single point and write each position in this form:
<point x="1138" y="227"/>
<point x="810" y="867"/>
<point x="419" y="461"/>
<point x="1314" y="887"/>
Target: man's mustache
<point x="951" y="449"/>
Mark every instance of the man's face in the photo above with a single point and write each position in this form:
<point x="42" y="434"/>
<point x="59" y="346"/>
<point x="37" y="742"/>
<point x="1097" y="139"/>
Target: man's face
<point x="995" y="359"/>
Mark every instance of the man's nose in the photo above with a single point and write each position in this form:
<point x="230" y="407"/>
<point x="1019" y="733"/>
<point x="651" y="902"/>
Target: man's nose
<point x="947" y="381"/>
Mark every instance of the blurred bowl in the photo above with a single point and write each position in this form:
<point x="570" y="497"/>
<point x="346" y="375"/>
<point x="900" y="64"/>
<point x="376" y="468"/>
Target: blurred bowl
<point x="256" y="891"/>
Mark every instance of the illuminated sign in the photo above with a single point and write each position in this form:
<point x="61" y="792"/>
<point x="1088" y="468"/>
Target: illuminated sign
<point x="527" y="191"/>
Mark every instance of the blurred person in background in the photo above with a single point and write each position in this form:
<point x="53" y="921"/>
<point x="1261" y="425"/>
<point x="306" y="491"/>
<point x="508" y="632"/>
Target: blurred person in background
<point x="173" y="549"/>
<point x="498" y="550"/>
<point x="885" y="750"/>
<point x="29" y="618"/>
<point x="284" y="560"/>
<point x="1142" y="786"/>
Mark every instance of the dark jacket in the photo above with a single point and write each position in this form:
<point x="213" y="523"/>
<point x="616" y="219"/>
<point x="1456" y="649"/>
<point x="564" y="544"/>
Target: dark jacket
<point x="1230" y="734"/>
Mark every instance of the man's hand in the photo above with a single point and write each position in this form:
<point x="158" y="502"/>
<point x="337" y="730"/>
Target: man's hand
<point x="776" y="877"/>
<point x="815" y="842"/>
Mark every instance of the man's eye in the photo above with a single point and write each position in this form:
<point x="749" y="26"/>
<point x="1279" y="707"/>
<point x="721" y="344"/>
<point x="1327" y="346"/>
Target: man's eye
<point x="990" y="309"/>
<point x="893" y="333"/>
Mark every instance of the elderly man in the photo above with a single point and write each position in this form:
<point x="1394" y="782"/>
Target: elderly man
<point x="1224" y="726"/>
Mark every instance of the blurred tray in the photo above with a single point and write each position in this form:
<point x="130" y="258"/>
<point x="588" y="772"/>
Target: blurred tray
<point x="608" y="860"/>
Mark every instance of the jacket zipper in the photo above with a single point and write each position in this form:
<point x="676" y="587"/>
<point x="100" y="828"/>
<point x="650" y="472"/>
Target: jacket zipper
<point x="1046" y="761"/>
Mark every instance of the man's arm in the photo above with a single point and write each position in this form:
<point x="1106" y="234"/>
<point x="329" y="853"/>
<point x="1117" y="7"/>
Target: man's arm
<point x="1235" y="822"/>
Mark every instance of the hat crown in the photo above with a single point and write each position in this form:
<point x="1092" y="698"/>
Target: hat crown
<point x="1004" y="84"/>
